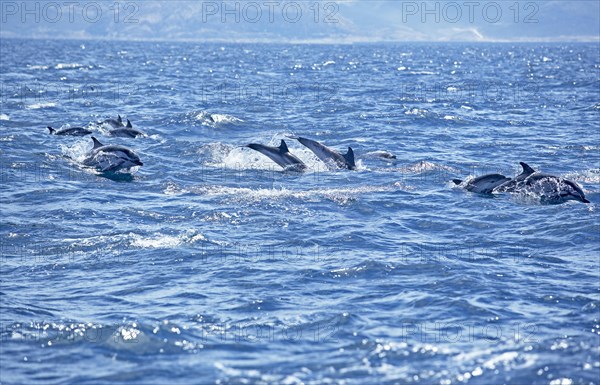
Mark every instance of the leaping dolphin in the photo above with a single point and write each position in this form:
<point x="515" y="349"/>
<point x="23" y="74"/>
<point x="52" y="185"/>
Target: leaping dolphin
<point x="327" y="155"/>
<point x="280" y="155"/>
<point x="484" y="184"/>
<point x="110" y="158"/>
<point x="126" y="132"/>
<point x="72" y="131"/>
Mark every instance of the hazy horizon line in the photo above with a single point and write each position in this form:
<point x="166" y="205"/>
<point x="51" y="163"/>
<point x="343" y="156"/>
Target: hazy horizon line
<point x="326" y="41"/>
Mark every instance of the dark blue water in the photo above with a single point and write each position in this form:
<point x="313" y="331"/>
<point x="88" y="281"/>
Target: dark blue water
<point x="210" y="265"/>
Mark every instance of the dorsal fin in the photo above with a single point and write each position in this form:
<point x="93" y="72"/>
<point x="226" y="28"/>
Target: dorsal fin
<point x="51" y="130"/>
<point x="119" y="119"/>
<point x="526" y="169"/>
<point x="129" y="124"/>
<point x="97" y="143"/>
<point x="349" y="157"/>
<point x="283" y="148"/>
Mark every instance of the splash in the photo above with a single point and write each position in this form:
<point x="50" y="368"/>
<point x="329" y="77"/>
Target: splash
<point x="205" y="118"/>
<point x="67" y="66"/>
<point x="339" y="195"/>
<point x="37" y="106"/>
<point x="161" y="241"/>
<point x="240" y="158"/>
<point x="78" y="151"/>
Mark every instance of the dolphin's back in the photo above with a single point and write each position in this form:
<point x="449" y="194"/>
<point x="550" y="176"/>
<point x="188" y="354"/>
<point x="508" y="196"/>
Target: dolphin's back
<point x="126" y="132"/>
<point x="280" y="155"/>
<point x="485" y="184"/>
<point x="328" y="155"/>
<point x="72" y="131"/>
<point x="110" y="157"/>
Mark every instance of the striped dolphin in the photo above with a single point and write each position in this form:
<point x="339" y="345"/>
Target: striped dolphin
<point x="332" y="158"/>
<point x="280" y="155"/>
<point x="111" y="158"/>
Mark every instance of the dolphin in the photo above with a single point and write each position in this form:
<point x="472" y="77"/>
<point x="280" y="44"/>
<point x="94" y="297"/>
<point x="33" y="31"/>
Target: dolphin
<point x="484" y="184"/>
<point x="327" y="155"/>
<point x="110" y="158"/>
<point x="280" y="155"/>
<point x="554" y="189"/>
<point x="114" y="123"/>
<point x="126" y="132"/>
<point x="380" y="154"/>
<point x="73" y="131"/>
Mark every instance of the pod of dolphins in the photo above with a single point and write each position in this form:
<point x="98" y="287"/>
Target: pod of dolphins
<point x="118" y="129"/>
<point x="112" y="158"/>
<point x="107" y="158"/>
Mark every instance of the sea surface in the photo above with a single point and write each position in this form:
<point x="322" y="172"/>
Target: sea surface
<point x="210" y="265"/>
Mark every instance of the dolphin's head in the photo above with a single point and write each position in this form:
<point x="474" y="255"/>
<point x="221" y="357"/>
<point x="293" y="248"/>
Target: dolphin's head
<point x="133" y="157"/>
<point x="254" y="146"/>
<point x="573" y="192"/>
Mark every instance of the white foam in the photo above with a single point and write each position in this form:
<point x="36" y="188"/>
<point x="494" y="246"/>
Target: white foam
<point x="37" y="67"/>
<point x="37" y="106"/>
<point x="173" y="189"/>
<point x="213" y="120"/>
<point x="415" y="111"/>
<point x="104" y="128"/>
<point x="61" y="66"/>
<point x="588" y="176"/>
<point x="422" y="73"/>
<point x="77" y="151"/>
<point x="502" y="359"/>
<point x="340" y="195"/>
<point x="224" y="118"/>
<point x="166" y="241"/>
<point x="424" y="165"/>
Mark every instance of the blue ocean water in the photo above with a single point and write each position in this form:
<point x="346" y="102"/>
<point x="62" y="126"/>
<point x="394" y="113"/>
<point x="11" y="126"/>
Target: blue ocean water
<point x="211" y="265"/>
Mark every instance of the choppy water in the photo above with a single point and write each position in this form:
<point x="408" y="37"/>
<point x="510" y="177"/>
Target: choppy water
<point x="210" y="265"/>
